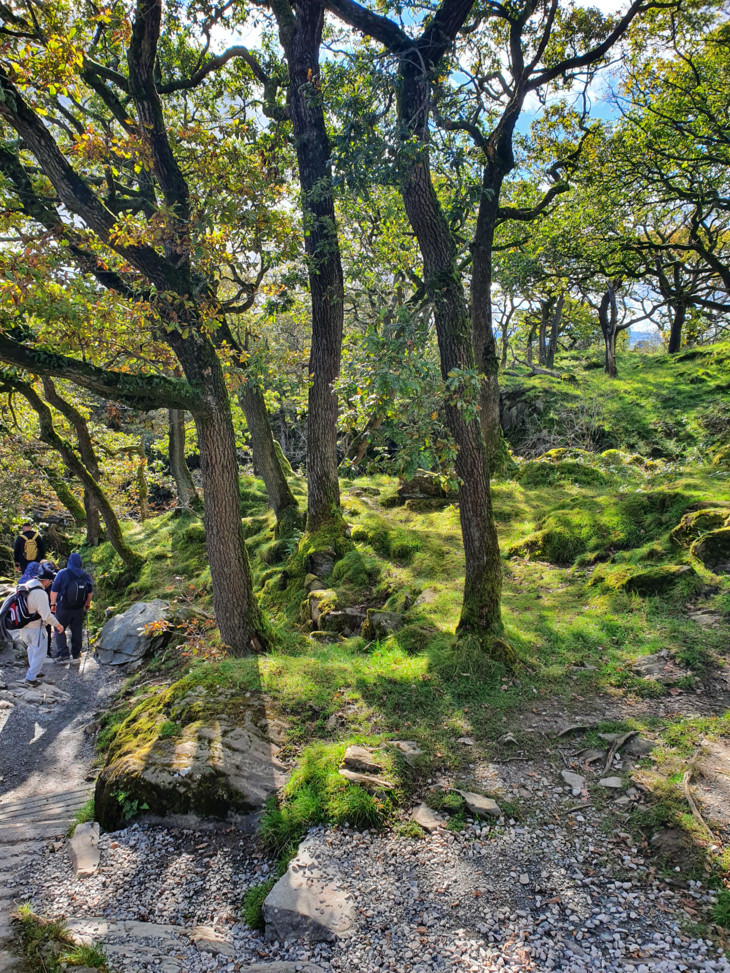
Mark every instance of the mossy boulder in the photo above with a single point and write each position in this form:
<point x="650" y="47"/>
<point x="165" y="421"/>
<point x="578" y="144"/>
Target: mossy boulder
<point x="538" y="473"/>
<point x="659" y="580"/>
<point x="713" y="550"/>
<point x="698" y="522"/>
<point x="211" y="770"/>
<point x="426" y="485"/>
<point x="318" y="605"/>
<point x="380" y="624"/>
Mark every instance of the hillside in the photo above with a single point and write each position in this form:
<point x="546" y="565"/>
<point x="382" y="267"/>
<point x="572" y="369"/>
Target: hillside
<point x="607" y="562"/>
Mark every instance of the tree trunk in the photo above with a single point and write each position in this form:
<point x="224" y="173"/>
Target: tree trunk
<point x="300" y="37"/>
<point x="482" y="331"/>
<point x="142" y="491"/>
<point x="187" y="495"/>
<point x="545" y="308"/>
<point x="480" y="612"/>
<point x="675" y="335"/>
<point x="66" y="496"/>
<point x="266" y="460"/>
<point x="93" y="520"/>
<point x="530" y="338"/>
<point x="505" y="347"/>
<point x="555" y="322"/>
<point x="88" y="456"/>
<point x="607" y="317"/>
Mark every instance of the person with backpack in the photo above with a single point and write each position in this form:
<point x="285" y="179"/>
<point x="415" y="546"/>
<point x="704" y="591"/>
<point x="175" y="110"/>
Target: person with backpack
<point x="37" y="611"/>
<point x="71" y="599"/>
<point x="28" y="547"/>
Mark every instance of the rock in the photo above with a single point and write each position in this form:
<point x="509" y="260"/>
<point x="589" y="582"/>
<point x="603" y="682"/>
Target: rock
<point x="209" y="941"/>
<point x="321" y="563"/>
<point x="616" y="783"/>
<point x="575" y="781"/>
<point x="524" y="879"/>
<point x="427" y="819"/>
<point x="45" y="694"/>
<point x="637" y="746"/>
<point x="425" y="485"/>
<point x="342" y="621"/>
<point x="659" y="580"/>
<point x="427" y="597"/>
<point x="362" y="760"/>
<point x="698" y="522"/>
<point x="321" y="601"/>
<point x="313" y="583"/>
<point x="283" y="966"/>
<point x="305" y="905"/>
<point x="373" y="785"/>
<point x="713" y="549"/>
<point x="84" y="849"/>
<point x="123" y="639"/>
<point x="659" y="667"/>
<point x="211" y="771"/>
<point x="410" y="750"/>
<point x="325" y="637"/>
<point x="380" y="624"/>
<point x="507" y="738"/>
<point x="466" y="741"/>
<point x="480" y="805"/>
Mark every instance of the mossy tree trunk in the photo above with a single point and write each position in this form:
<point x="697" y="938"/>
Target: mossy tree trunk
<point x="65" y="495"/>
<point x="607" y="318"/>
<point x="87" y="453"/>
<point x="51" y="438"/>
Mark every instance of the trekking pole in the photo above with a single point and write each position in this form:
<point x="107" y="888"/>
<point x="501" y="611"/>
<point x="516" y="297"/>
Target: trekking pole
<point x="85" y="629"/>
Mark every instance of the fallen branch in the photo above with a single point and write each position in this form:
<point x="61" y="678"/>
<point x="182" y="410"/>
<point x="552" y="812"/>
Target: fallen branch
<point x="616" y="747"/>
<point x="687" y="791"/>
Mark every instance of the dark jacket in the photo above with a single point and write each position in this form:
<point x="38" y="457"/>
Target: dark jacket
<point x="19" y="548"/>
<point x="65" y="578"/>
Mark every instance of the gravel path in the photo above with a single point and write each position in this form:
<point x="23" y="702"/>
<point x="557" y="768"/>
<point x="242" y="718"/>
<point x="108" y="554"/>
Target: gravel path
<point x="44" y="761"/>
<point x="562" y="890"/>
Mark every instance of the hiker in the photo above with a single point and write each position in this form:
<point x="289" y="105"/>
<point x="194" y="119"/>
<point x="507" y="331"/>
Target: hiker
<point x="71" y="599"/>
<point x="34" y="632"/>
<point x="28" y="547"/>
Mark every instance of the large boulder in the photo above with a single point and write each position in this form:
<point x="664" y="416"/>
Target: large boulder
<point x="212" y="770"/>
<point x="125" y="638"/>
<point x="713" y="549"/>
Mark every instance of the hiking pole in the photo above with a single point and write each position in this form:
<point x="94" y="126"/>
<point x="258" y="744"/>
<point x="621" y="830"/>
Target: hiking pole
<point x="84" y="629"/>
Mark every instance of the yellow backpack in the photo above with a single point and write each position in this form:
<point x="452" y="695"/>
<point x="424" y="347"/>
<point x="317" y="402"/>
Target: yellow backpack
<point x="31" y="548"/>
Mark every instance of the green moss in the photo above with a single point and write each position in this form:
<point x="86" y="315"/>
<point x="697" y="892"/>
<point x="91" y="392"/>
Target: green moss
<point x="697" y="522"/>
<point x="253" y="904"/>
<point x="537" y="473"/>
<point x="660" y="580"/>
<point x="713" y="548"/>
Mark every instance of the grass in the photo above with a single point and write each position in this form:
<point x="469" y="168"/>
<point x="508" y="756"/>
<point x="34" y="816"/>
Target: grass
<point x="84" y="814"/>
<point x="253" y="903"/>
<point x="575" y="527"/>
<point x="48" y="948"/>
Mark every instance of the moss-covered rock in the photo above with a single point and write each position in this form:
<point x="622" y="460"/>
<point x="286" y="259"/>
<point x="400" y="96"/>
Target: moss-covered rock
<point x="660" y="580"/>
<point x="318" y="605"/>
<point x="538" y="473"/>
<point x="713" y="549"/>
<point x="211" y="770"/>
<point x="698" y="522"/>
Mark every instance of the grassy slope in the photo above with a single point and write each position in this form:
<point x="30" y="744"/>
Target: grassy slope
<point x="575" y="527"/>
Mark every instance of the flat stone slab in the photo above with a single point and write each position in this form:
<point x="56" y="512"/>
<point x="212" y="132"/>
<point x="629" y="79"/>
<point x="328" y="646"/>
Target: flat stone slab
<point x="660" y="667"/>
<point x="84" y="849"/>
<point x="45" y="694"/>
<point x="427" y="818"/>
<point x="283" y="966"/>
<point x="575" y="781"/>
<point x="480" y="805"/>
<point x="361" y="759"/>
<point x="616" y="783"/>
<point x="123" y="639"/>
<point x="306" y="905"/>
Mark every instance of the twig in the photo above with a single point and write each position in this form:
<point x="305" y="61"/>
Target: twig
<point x="687" y="790"/>
<point x="509" y="760"/>
<point x="616" y="747"/>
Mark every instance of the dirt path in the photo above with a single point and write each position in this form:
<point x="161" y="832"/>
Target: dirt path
<point x="44" y="762"/>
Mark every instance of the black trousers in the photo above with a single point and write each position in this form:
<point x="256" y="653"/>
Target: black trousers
<point x="72" y="619"/>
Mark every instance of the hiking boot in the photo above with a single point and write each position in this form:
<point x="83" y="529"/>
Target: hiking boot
<point x="30" y="682"/>
<point x="62" y="659"/>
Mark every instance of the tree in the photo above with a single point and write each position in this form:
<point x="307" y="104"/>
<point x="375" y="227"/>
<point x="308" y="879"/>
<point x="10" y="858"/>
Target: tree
<point x="129" y="224"/>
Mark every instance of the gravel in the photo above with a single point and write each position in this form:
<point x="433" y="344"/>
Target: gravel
<point x="450" y="901"/>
